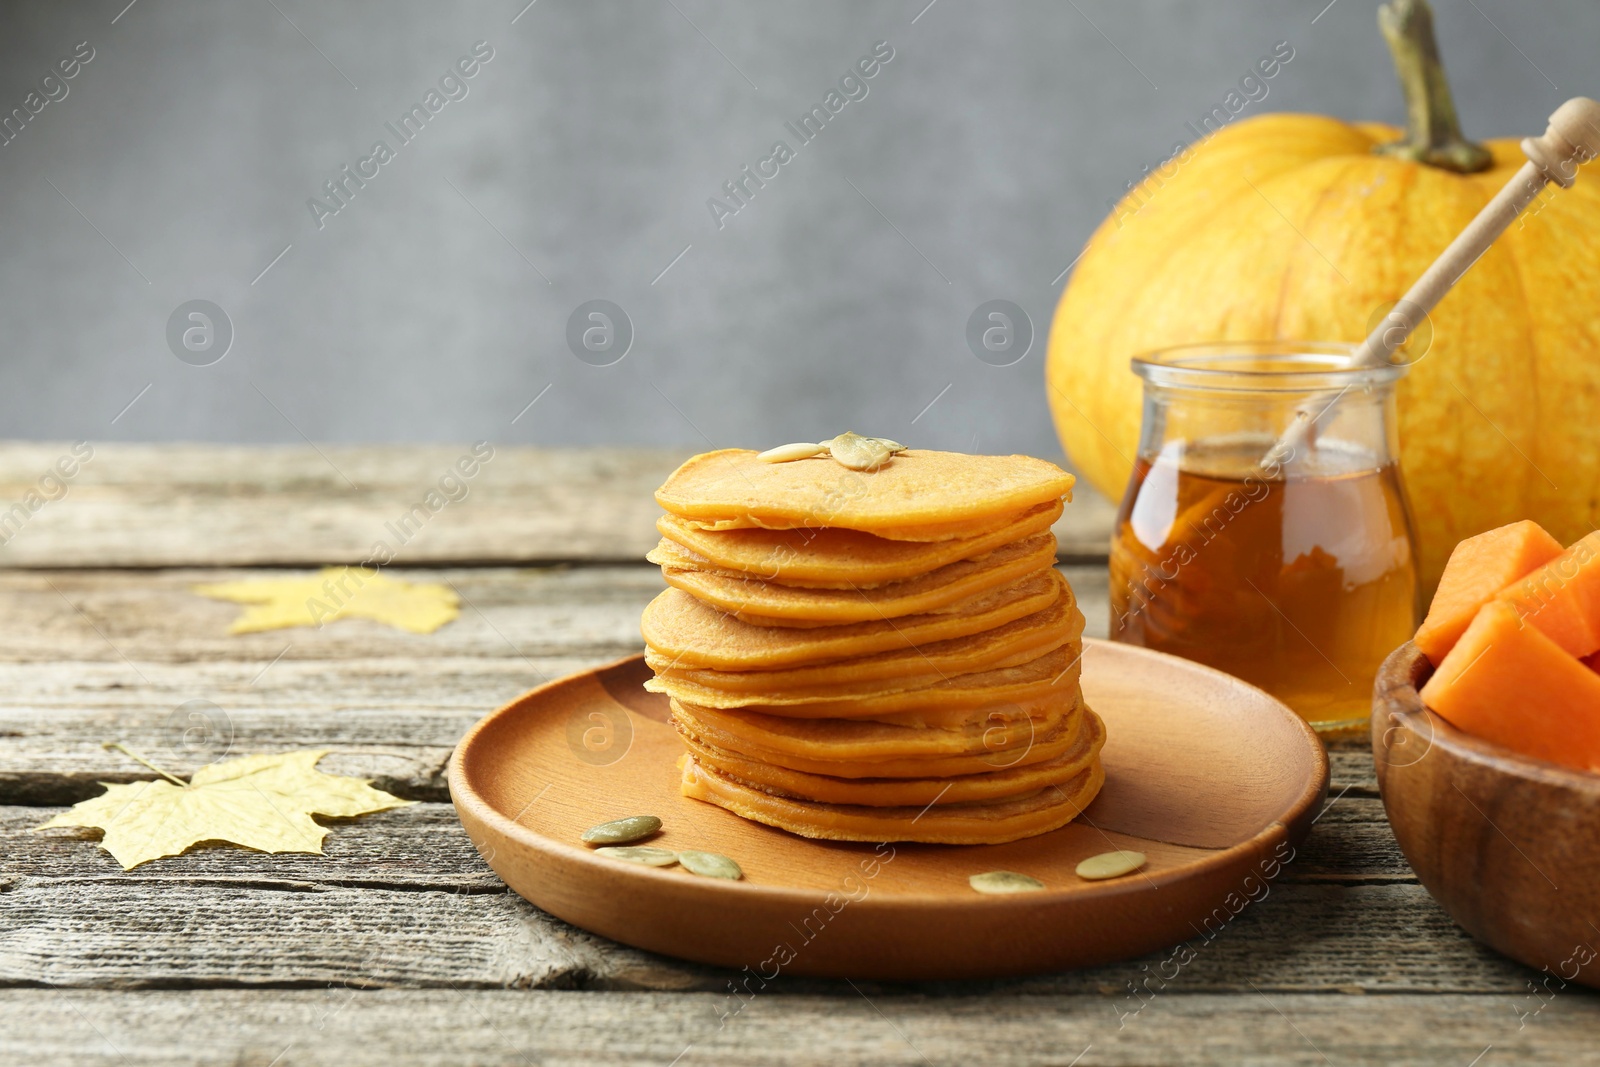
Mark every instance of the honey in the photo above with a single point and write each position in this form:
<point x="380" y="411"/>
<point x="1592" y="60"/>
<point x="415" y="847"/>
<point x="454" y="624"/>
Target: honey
<point x="1298" y="577"/>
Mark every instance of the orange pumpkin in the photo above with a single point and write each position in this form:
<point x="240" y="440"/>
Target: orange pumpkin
<point x="1303" y="227"/>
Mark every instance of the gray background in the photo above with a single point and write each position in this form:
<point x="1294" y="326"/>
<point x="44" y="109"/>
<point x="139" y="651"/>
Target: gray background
<point x="434" y="307"/>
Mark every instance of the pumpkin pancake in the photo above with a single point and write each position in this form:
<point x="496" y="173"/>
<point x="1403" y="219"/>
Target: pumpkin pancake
<point x="691" y="633"/>
<point x="831" y="559"/>
<point x="770" y="604"/>
<point x="844" y="748"/>
<point x="1051" y="674"/>
<point x="930" y="532"/>
<point x="1012" y="644"/>
<point x="972" y="823"/>
<point x="917" y="495"/>
<point x="740" y="685"/>
<point x="1077" y="750"/>
<point x="1060" y="699"/>
<point x="824" y="743"/>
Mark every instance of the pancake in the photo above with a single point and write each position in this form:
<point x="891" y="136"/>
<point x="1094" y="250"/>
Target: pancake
<point x="825" y="743"/>
<point x="866" y="754"/>
<point x="917" y="495"/>
<point x="770" y="604"/>
<point x="832" y="559"/>
<point x="972" y="823"/>
<point x="1009" y="645"/>
<point x="1060" y="698"/>
<point x="690" y="633"/>
<point x="927" y="532"/>
<point x="1051" y="674"/>
<point x="1079" y="748"/>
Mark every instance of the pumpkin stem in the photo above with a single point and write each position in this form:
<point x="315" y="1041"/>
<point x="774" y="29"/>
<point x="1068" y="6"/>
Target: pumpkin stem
<point x="1433" y="132"/>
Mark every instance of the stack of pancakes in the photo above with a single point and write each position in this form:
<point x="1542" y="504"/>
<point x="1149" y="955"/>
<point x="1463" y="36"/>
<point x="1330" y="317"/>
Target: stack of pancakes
<point x="884" y="655"/>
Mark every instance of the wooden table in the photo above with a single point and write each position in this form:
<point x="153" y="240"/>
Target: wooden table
<point x="401" y="946"/>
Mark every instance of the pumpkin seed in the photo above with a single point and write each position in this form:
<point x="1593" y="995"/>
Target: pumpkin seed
<point x="710" y="865"/>
<point x="1110" y="865"/>
<point x="859" y="453"/>
<point x="786" y="453"/>
<point x="1004" y="882"/>
<point x="645" y="854"/>
<point x="622" y="831"/>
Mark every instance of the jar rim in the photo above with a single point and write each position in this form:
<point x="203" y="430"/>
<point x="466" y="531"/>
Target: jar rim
<point x="1262" y="366"/>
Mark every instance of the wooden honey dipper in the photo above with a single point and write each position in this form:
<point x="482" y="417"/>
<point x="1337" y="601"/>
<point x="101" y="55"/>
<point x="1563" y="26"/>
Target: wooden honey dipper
<point x="1572" y="138"/>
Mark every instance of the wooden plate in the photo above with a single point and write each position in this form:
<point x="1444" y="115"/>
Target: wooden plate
<point x="1214" y="780"/>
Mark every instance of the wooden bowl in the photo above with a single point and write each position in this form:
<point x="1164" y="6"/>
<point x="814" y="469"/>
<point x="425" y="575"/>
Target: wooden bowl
<point x="1510" y="845"/>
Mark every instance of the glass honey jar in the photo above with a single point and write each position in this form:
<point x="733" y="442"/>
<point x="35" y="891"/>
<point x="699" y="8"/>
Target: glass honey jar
<point x="1291" y="568"/>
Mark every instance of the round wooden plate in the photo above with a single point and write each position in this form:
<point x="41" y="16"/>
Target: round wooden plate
<point x="1214" y="780"/>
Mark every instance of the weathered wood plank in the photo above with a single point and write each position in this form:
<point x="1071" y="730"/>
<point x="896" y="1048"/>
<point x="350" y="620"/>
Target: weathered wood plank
<point x="115" y="656"/>
<point x="393" y="719"/>
<point x="119" y="935"/>
<point x="188" y="505"/>
<point x="1351" y="843"/>
<point x="156" y="617"/>
<point x="1083" y="533"/>
<point x="115" y="932"/>
<point x="1350" y="767"/>
<point x="424" y="847"/>
<point x="342" y="1027"/>
<point x="214" y="505"/>
<point x="420" y="847"/>
<point x="353" y="916"/>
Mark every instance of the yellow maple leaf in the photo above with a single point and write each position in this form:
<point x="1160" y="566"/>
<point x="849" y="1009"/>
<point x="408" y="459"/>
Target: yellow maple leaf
<point x="337" y="593"/>
<point x="259" y="802"/>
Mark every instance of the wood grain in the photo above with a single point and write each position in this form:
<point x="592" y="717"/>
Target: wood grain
<point x="172" y="933"/>
<point x="416" y="848"/>
<point x="341" y="1027"/>
<point x="424" y="847"/>
<point x="211" y="505"/>
<point x="380" y="911"/>
<point x="156" y="617"/>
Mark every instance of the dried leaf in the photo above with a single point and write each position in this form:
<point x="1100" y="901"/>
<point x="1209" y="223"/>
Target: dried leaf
<point x="259" y="802"/>
<point x="337" y="593"/>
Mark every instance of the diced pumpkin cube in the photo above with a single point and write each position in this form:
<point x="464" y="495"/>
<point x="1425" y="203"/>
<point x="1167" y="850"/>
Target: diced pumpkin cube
<point x="1478" y="569"/>
<point x="1562" y="598"/>
<point x="1510" y="684"/>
